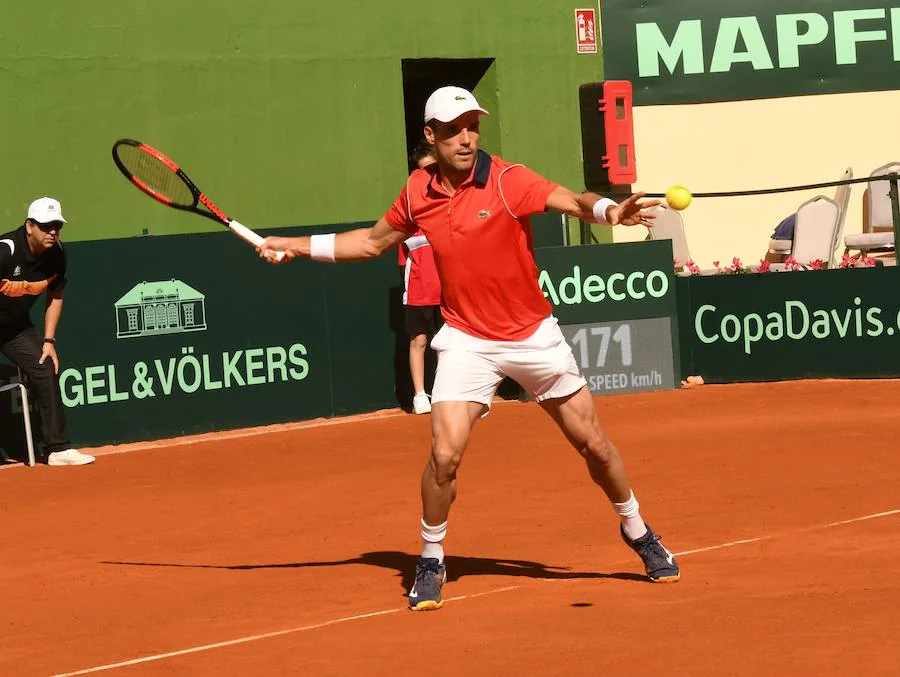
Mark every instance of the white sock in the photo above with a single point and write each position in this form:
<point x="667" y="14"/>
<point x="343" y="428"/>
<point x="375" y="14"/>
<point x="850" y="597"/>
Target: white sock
<point x="632" y="522"/>
<point x="432" y="538"/>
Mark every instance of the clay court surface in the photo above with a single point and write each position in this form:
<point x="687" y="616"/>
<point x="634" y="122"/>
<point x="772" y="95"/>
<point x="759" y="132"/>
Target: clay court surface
<point x="288" y="551"/>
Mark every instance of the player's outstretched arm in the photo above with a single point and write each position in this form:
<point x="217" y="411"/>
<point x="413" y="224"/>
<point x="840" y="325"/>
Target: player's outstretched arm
<point x="593" y="208"/>
<point x="354" y="245"/>
<point x="634" y="211"/>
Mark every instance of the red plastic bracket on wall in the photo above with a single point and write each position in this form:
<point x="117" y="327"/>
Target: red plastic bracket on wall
<point x="618" y="124"/>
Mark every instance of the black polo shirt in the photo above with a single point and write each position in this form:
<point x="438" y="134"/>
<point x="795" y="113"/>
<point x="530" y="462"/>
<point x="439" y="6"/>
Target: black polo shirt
<point x="18" y="263"/>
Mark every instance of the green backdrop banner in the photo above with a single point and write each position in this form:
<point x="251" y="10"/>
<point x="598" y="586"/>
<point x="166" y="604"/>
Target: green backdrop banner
<point x="775" y="326"/>
<point x="172" y="335"/>
<point x="182" y="334"/>
<point x="699" y="50"/>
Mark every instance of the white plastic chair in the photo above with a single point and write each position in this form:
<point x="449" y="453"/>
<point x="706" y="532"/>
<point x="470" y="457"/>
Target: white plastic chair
<point x="878" y="227"/>
<point x="814" y="234"/>
<point x="842" y="198"/>
<point x="818" y="221"/>
<point x="26" y="413"/>
<point x="669" y="225"/>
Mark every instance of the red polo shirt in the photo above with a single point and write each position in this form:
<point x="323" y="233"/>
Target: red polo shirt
<point x="482" y="244"/>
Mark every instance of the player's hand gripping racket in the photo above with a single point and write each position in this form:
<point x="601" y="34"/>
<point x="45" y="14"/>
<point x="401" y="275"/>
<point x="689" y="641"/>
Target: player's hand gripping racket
<point x="159" y="177"/>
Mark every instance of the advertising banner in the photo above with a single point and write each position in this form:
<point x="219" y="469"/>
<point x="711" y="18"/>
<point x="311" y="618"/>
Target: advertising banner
<point x="163" y="336"/>
<point x="806" y="324"/>
<point x="617" y="306"/>
<point x="698" y="50"/>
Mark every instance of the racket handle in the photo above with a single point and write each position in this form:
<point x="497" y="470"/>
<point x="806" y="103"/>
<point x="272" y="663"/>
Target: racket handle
<point x="250" y="237"/>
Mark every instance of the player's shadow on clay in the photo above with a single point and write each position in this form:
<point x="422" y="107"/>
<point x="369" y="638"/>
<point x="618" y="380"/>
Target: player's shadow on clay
<point x="405" y="565"/>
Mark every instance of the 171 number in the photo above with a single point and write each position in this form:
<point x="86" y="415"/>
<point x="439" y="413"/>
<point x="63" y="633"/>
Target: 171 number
<point x="621" y="336"/>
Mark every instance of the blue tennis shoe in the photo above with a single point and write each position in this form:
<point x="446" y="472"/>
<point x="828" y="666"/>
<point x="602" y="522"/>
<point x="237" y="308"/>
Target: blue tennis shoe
<point x="659" y="562"/>
<point x="426" y="590"/>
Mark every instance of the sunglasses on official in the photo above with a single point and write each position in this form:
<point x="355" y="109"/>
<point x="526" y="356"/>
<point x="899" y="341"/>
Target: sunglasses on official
<point x="49" y="226"/>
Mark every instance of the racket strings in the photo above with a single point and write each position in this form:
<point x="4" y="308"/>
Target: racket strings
<point x="155" y="175"/>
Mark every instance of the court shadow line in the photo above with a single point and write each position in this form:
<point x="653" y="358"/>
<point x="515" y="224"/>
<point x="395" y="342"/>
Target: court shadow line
<point x="458" y="566"/>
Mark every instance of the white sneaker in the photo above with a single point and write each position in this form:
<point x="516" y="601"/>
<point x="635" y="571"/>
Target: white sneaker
<point x="421" y="404"/>
<point x="69" y="457"/>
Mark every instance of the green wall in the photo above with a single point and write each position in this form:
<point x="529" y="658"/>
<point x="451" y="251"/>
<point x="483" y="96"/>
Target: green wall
<point x="285" y="113"/>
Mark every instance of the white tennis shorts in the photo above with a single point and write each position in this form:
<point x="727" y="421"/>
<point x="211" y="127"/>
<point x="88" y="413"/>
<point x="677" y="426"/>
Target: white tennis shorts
<point x="470" y="369"/>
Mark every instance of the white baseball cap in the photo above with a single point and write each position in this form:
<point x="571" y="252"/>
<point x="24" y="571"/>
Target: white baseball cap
<point x="448" y="103"/>
<point x="45" y="210"/>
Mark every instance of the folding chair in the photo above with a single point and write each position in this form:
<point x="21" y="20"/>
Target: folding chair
<point x="814" y="235"/>
<point x="26" y="412"/>
<point x="878" y="223"/>
<point x="669" y="225"/>
<point x="842" y="198"/>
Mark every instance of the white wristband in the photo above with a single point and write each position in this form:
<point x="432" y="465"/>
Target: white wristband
<point x="321" y="247"/>
<point x="600" y="207"/>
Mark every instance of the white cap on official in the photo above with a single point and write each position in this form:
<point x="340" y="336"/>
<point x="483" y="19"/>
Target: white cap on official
<point x="45" y="210"/>
<point x="448" y="103"/>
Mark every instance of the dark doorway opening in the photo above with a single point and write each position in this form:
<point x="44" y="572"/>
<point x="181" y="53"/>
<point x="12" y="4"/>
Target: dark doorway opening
<point x="422" y="76"/>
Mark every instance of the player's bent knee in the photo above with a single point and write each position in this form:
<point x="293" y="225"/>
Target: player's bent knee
<point x="598" y="451"/>
<point x="445" y="461"/>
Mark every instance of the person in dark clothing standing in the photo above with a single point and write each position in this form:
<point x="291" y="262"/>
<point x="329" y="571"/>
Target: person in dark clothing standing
<point x="32" y="261"/>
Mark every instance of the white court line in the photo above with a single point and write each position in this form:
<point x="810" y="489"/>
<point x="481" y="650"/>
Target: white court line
<point x="860" y="519"/>
<point x="219" y="436"/>
<point x="385" y="612"/>
<point x="766" y="538"/>
<point x="237" y="433"/>
<point x="268" y="635"/>
<point x="723" y="545"/>
<point x="231" y="642"/>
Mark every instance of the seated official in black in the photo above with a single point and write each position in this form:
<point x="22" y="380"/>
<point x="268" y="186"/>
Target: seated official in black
<point x="32" y="262"/>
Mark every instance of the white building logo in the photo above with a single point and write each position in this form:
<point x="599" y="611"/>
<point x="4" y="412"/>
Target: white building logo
<point x="165" y="307"/>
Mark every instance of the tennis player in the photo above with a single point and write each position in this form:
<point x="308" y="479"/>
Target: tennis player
<point x="474" y="209"/>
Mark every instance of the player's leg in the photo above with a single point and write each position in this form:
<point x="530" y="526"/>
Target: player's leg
<point x="577" y="418"/>
<point x="551" y="373"/>
<point x="464" y="386"/>
<point x="451" y="425"/>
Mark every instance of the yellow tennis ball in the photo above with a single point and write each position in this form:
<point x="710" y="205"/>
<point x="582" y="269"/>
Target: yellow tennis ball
<point x="678" y="197"/>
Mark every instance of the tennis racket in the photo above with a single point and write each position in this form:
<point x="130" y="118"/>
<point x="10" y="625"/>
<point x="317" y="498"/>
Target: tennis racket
<point x="159" y="177"/>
